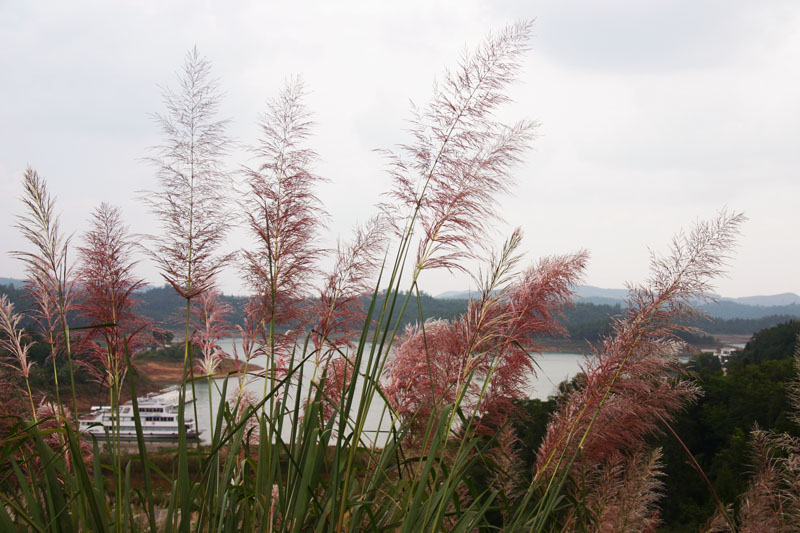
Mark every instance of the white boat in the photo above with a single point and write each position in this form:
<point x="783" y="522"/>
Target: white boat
<point x="158" y="415"/>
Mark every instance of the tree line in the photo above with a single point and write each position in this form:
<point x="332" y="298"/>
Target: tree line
<point x="583" y="321"/>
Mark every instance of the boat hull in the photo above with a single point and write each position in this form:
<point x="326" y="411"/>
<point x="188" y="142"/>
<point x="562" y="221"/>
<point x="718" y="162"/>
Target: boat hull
<point x="128" y="436"/>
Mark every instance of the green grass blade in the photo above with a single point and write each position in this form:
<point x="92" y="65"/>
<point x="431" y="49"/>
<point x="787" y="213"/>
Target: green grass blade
<point x="148" y="483"/>
<point x="35" y="515"/>
<point x="52" y="490"/>
<point x="88" y="496"/>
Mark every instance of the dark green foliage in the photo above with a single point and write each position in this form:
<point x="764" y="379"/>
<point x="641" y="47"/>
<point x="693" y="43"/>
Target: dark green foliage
<point x="775" y="343"/>
<point x="591" y="322"/>
<point x="717" y="428"/>
<point x="165" y="307"/>
<point x="728" y="310"/>
<point x="431" y="308"/>
<point x="705" y="364"/>
<point x="16" y="295"/>
<point x="39" y="353"/>
<point x="174" y="352"/>
<point x="41" y="377"/>
<point x="530" y="424"/>
<point x="162" y="305"/>
<point x="741" y="326"/>
<point x="695" y="339"/>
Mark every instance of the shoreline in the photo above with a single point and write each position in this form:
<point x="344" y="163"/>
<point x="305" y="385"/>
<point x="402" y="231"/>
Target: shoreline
<point x="153" y="375"/>
<point x="165" y="372"/>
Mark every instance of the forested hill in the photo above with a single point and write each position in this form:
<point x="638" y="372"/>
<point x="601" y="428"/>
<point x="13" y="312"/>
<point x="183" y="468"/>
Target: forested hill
<point x="583" y="321"/>
<point x="751" y="392"/>
<point x="726" y="309"/>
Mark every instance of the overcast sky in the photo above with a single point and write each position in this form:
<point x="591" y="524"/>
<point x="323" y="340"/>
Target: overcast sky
<point x="653" y="114"/>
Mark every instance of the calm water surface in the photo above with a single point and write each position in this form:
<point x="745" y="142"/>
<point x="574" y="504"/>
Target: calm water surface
<point x="552" y="369"/>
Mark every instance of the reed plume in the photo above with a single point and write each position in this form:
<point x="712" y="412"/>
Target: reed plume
<point x="283" y="215"/>
<point x="446" y="184"/>
<point x="339" y="309"/>
<point x="619" y="495"/>
<point x="339" y="312"/>
<point x="492" y="344"/>
<point x="107" y="288"/>
<point x="48" y="272"/>
<point x="629" y="386"/>
<point x="192" y="202"/>
<point x="210" y="326"/>
<point x="13" y="342"/>
<point x="448" y="179"/>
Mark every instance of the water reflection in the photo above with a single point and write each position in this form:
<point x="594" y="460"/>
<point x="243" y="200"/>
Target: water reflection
<point x="551" y="369"/>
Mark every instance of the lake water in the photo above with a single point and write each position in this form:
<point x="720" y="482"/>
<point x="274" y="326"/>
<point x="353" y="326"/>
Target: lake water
<point x="552" y="369"/>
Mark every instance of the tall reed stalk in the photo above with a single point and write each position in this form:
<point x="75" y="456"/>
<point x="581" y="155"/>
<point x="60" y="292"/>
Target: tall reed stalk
<point x="48" y="270"/>
<point x="107" y="304"/>
<point x="192" y="208"/>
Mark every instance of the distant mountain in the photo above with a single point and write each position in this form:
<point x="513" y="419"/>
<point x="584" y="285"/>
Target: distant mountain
<point x="600" y="300"/>
<point x="16" y="283"/>
<point x="786" y="298"/>
<point x="588" y="292"/>
<point x="456" y="295"/>
<point x="584" y="293"/>
<point x="748" y="307"/>
<point x="728" y="309"/>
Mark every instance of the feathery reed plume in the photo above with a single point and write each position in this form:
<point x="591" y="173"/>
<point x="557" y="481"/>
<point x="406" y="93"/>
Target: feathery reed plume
<point x="108" y="286"/>
<point x="47" y="270"/>
<point x="250" y="350"/>
<point x="12" y="341"/>
<point x="529" y="308"/>
<point x="620" y="495"/>
<point x="450" y="176"/>
<point x="40" y="287"/>
<point x="284" y="216"/>
<point x="244" y="406"/>
<point x="772" y="501"/>
<point x="339" y="311"/>
<point x="764" y="505"/>
<point x="444" y="361"/>
<point x="425" y="369"/>
<point x="210" y="326"/>
<point x="719" y="521"/>
<point x="506" y="477"/>
<point x="192" y="202"/>
<point x="629" y="384"/>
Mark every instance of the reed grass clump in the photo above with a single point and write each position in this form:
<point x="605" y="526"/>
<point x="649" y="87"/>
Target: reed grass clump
<point x="302" y="456"/>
